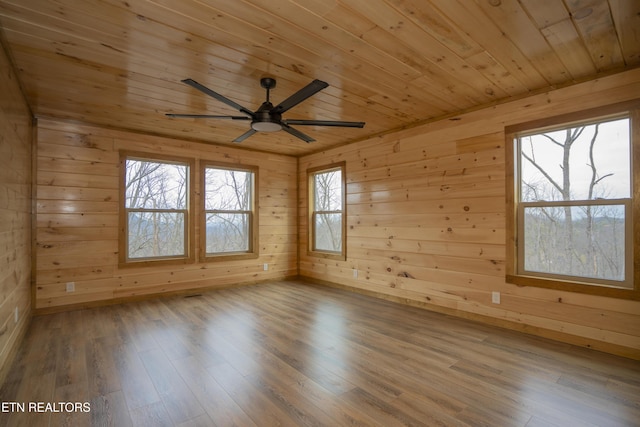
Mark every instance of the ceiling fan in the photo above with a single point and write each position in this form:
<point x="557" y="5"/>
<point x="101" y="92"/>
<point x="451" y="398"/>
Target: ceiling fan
<point x="268" y="118"/>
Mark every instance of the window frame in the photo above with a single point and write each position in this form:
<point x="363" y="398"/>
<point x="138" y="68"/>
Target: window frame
<point x="514" y="209"/>
<point x="312" y="213"/>
<point x="123" y="228"/>
<point x="253" y="251"/>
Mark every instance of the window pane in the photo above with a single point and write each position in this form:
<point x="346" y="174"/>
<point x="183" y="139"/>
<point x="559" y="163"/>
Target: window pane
<point x="227" y="233"/>
<point x="328" y="191"/>
<point x="328" y="232"/>
<point x="227" y="190"/>
<point x="155" y="234"/>
<point x="584" y="241"/>
<point x="586" y="162"/>
<point x="155" y="185"/>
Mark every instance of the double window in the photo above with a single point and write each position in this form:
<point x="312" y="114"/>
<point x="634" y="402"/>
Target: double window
<point x="160" y="210"/>
<point x="327" y="212"/>
<point x="571" y="203"/>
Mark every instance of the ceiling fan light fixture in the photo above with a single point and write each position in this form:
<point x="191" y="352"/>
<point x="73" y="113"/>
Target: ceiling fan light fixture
<point x="266" y="126"/>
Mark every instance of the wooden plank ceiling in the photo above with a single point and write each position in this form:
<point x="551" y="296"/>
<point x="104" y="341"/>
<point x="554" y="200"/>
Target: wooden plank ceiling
<point x="390" y="63"/>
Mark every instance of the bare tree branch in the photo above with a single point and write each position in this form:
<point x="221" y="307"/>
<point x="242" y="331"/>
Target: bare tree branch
<point x="542" y="171"/>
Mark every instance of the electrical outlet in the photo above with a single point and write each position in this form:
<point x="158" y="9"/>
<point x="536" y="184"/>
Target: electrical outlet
<point x="16" y="315"/>
<point x="355" y="273"/>
<point x="265" y="266"/>
<point x="495" y="297"/>
<point x="71" y="286"/>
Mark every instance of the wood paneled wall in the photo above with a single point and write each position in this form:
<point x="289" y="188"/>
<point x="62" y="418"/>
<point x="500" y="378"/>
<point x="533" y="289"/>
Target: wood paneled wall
<point x="15" y="213"/>
<point x="426" y="222"/>
<point x="77" y="218"/>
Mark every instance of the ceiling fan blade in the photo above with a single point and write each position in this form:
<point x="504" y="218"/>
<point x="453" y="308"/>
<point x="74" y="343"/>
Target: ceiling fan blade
<point x="325" y="123"/>
<point x="245" y="135"/>
<point x="194" y="84"/>
<point x="206" y="116"/>
<point x="296" y="133"/>
<point x="304" y="93"/>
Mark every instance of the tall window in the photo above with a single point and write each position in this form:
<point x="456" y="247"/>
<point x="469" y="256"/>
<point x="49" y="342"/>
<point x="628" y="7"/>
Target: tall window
<point x="155" y="218"/>
<point x="573" y="205"/>
<point x="327" y="213"/>
<point x="229" y="211"/>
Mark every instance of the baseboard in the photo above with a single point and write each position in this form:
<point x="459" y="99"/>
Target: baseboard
<point x="14" y="343"/>
<point x="123" y="300"/>
<point x="605" y="347"/>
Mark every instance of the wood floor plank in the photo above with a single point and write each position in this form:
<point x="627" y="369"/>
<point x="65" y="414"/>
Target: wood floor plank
<point x="152" y="415"/>
<point x="178" y="399"/>
<point x="219" y="406"/>
<point x="35" y="390"/>
<point x="297" y="406"/>
<point x="194" y="341"/>
<point x="102" y="374"/>
<point x="384" y="413"/>
<point x="289" y="353"/>
<point x="337" y="408"/>
<point x="71" y="367"/>
<point x="439" y="410"/>
<point x="72" y="412"/>
<point x="138" y="388"/>
<point x="251" y="399"/>
<point x="110" y="410"/>
<point x="202" y="421"/>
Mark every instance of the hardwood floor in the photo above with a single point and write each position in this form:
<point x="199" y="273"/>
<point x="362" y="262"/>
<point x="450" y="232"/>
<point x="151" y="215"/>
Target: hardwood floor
<point x="288" y="353"/>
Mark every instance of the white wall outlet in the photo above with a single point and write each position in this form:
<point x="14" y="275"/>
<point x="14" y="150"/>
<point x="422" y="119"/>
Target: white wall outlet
<point x="265" y="266"/>
<point x="16" y="315"/>
<point x="355" y="273"/>
<point x="495" y="297"/>
<point x="71" y="286"/>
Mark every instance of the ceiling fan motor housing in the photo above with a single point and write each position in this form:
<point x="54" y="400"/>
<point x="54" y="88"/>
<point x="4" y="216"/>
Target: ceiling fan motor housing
<point x="266" y="120"/>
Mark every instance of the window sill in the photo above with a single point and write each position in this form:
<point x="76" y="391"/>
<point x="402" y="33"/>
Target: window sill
<point x="231" y="256"/>
<point x="573" y="286"/>
<point x="328" y="255"/>
<point x="155" y="262"/>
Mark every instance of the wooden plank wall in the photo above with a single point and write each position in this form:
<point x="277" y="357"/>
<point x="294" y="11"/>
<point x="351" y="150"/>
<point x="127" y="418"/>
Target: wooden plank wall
<point x="15" y="213"/>
<point x="77" y="218"/>
<point x="426" y="222"/>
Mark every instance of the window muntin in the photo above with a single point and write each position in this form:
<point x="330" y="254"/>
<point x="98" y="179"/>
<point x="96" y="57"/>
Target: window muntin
<point x="229" y="217"/>
<point x="156" y="204"/>
<point x="573" y="203"/>
<point x="327" y="219"/>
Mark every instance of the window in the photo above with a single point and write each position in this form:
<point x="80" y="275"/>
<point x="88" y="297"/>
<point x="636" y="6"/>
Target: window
<point x="229" y="212"/>
<point x="155" y="223"/>
<point x="158" y="215"/>
<point x="572" y="206"/>
<point x="327" y="213"/>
